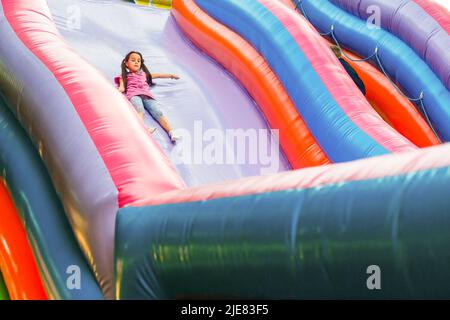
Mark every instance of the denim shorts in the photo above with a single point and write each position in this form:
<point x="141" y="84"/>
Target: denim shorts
<point x="141" y="103"/>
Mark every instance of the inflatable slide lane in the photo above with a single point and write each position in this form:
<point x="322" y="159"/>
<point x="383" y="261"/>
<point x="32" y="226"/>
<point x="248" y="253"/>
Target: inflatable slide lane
<point x="142" y="224"/>
<point x="98" y="155"/>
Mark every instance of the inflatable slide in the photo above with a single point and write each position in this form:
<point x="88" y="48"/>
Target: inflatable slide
<point x="326" y="182"/>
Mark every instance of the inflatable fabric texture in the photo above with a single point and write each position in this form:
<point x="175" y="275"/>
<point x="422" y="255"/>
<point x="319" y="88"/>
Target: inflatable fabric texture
<point x="401" y="63"/>
<point x="40" y="211"/>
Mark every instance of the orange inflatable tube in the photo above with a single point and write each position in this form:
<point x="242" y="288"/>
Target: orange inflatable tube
<point x="395" y="109"/>
<point x="17" y="263"/>
<point x="250" y="68"/>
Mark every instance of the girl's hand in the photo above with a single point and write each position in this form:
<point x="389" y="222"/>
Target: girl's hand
<point x="121" y="86"/>
<point x="174" y="76"/>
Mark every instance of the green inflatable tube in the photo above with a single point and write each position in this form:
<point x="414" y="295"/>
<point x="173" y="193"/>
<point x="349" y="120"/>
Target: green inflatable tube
<point x="3" y="291"/>
<point x="157" y="3"/>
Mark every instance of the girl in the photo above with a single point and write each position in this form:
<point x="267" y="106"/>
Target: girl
<point x="135" y="82"/>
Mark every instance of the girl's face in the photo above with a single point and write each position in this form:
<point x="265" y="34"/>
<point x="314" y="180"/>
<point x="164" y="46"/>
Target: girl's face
<point x="134" y="62"/>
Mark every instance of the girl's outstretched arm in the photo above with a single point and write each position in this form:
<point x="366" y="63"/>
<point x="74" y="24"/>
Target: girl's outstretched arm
<point x="165" y="75"/>
<point x="121" y="86"/>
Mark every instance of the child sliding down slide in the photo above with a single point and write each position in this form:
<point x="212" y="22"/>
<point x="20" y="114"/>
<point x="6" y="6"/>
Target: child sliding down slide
<point x="135" y="83"/>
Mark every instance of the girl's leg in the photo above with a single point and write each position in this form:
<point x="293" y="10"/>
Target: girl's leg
<point x="165" y="124"/>
<point x="138" y="104"/>
<point x="153" y="108"/>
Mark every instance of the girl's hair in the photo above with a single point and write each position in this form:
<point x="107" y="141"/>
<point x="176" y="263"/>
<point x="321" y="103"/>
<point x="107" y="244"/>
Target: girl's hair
<point x="143" y="67"/>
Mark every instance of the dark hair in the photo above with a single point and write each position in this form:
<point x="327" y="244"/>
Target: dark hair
<point x="337" y="50"/>
<point x="143" y="67"/>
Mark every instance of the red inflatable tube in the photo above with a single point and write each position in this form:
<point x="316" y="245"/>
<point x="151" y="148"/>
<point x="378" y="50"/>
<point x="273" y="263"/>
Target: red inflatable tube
<point x="17" y="264"/>
<point x="395" y="109"/>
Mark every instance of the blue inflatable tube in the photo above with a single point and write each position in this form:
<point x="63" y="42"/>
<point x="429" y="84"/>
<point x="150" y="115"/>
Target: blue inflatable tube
<point x="399" y="17"/>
